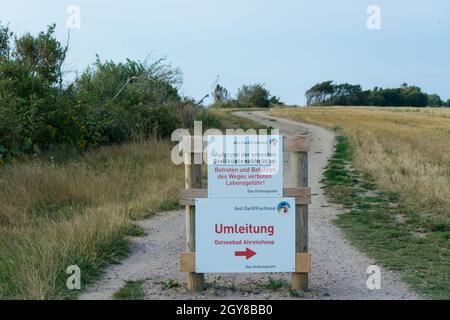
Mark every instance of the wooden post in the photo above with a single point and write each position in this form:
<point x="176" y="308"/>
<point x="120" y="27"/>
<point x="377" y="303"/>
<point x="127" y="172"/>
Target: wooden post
<point x="193" y="179"/>
<point x="299" y="168"/>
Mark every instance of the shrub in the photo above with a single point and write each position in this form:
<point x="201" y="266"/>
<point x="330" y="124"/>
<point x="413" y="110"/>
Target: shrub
<point x="221" y="94"/>
<point x="254" y="96"/>
<point x="209" y="120"/>
<point x="31" y="91"/>
<point x="108" y="103"/>
<point x="276" y="101"/>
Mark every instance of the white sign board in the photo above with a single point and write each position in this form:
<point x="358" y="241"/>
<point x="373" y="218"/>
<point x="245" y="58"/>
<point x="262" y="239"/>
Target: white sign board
<point x="245" y="166"/>
<point x="245" y="235"/>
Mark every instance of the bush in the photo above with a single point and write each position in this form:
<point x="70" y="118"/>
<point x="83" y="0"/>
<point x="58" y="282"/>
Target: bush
<point x="434" y="101"/>
<point x="31" y="96"/>
<point x="276" y="101"/>
<point x="108" y="103"/>
<point x="255" y="96"/>
<point x="208" y="119"/>
<point x="131" y="99"/>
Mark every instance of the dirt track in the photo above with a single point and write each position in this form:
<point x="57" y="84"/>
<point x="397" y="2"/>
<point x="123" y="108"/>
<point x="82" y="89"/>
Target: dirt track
<point x="339" y="270"/>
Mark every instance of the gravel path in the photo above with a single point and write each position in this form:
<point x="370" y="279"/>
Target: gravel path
<point x="339" y="270"/>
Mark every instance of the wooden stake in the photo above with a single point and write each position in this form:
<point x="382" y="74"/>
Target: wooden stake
<point x="299" y="168"/>
<point x="193" y="179"/>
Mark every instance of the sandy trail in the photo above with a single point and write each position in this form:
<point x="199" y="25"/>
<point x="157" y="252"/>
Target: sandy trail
<point x="339" y="270"/>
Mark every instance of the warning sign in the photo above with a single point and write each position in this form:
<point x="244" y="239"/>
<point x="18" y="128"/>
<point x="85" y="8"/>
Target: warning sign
<point x="245" y="166"/>
<point x="245" y="235"/>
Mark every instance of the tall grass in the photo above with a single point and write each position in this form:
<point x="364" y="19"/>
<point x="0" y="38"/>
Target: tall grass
<point x="79" y="213"/>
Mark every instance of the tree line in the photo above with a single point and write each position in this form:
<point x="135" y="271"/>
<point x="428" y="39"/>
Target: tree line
<point x="328" y="93"/>
<point x="107" y="103"/>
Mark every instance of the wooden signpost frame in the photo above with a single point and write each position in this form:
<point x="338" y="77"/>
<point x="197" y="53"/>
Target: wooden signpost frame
<point x="298" y="147"/>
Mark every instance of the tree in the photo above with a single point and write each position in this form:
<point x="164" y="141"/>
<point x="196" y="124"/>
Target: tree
<point x="348" y="95"/>
<point x="274" y="100"/>
<point x="320" y="93"/>
<point x="376" y="98"/>
<point x="5" y="38"/>
<point x="434" y="101"/>
<point x="221" y="94"/>
<point x="412" y="96"/>
<point x="43" y="55"/>
<point x="328" y="93"/>
<point x="253" y="96"/>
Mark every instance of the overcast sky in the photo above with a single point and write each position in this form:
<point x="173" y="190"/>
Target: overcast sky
<point x="287" y="44"/>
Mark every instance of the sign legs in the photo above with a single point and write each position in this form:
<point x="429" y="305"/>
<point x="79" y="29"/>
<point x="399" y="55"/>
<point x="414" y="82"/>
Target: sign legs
<point x="299" y="168"/>
<point x="193" y="179"/>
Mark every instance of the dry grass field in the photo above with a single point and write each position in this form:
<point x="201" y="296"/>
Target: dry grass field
<point x="405" y="150"/>
<point x="77" y="213"/>
<point x="391" y="174"/>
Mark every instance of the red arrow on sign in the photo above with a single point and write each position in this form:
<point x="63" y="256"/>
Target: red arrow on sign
<point x="248" y="253"/>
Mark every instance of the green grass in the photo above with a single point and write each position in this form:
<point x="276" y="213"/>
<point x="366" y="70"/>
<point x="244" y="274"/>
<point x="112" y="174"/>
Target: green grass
<point x="170" y="203"/>
<point x="132" y="290"/>
<point x="135" y="230"/>
<point x="170" y="284"/>
<point x="275" y="284"/>
<point x="397" y="237"/>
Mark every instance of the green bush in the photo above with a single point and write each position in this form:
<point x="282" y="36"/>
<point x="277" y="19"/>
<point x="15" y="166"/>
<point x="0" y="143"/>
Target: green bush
<point x="108" y="103"/>
<point x="30" y="90"/>
<point x="254" y="96"/>
<point x="130" y="100"/>
<point x="208" y="119"/>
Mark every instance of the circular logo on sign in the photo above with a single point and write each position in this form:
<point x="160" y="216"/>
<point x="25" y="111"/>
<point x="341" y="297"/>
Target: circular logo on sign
<point x="283" y="207"/>
<point x="273" y="142"/>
